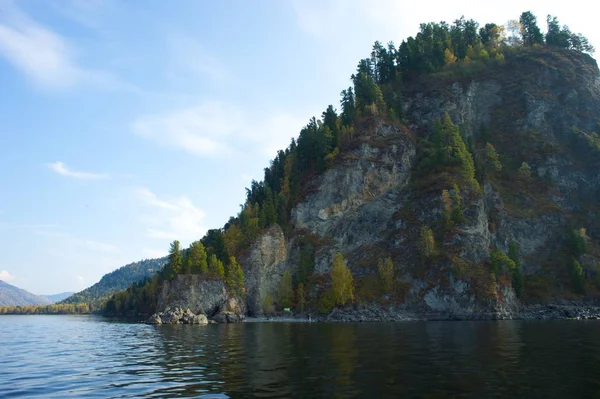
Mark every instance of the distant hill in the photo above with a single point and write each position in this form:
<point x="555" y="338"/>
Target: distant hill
<point x="13" y="296"/>
<point x="115" y="281"/>
<point x="57" y="297"/>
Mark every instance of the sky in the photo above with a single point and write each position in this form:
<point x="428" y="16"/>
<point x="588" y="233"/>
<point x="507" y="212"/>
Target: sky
<point x="126" y="124"/>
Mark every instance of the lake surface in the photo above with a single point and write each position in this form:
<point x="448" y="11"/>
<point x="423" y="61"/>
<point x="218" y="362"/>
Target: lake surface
<point x="88" y="356"/>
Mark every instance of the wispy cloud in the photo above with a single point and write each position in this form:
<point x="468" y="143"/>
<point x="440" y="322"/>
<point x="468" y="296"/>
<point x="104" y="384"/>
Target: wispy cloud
<point x="6" y="276"/>
<point x="201" y="129"/>
<point x="53" y="231"/>
<point x="218" y="129"/>
<point x="189" y="55"/>
<point x="176" y="218"/>
<point x="44" y="56"/>
<point x="62" y="169"/>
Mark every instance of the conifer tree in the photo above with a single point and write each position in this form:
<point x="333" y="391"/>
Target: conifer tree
<point x="215" y="266"/>
<point x="529" y="30"/>
<point x="234" y="277"/>
<point x="175" y="259"/>
<point x="197" y="261"/>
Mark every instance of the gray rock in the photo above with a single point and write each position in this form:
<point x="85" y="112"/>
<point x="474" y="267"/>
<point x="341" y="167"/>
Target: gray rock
<point x="177" y="315"/>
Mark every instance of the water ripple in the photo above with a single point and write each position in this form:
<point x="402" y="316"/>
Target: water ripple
<point x="91" y="357"/>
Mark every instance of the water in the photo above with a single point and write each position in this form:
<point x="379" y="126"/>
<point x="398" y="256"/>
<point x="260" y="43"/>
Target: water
<point x="87" y="356"/>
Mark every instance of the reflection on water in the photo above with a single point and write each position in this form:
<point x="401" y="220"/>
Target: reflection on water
<point x="82" y="356"/>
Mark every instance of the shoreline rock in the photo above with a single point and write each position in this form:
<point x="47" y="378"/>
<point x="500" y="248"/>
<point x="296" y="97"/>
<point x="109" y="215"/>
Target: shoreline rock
<point x="177" y="315"/>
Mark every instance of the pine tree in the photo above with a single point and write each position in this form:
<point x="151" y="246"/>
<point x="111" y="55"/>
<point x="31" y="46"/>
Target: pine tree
<point x="348" y="107"/>
<point x="491" y="160"/>
<point x="234" y="277"/>
<point x="342" y="282"/>
<point x="215" y="266"/>
<point x="197" y="262"/>
<point x="529" y="30"/>
<point x="175" y="260"/>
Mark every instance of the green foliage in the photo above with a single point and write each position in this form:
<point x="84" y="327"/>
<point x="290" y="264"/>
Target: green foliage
<point x="491" y="159"/>
<point x="57" y="308"/>
<point x="530" y="32"/>
<point x="426" y="243"/>
<point x="448" y="152"/>
<point x="175" y="259"/>
<point x="457" y="209"/>
<point x="215" y="266"/>
<point x="196" y="259"/>
<point x="342" y="282"/>
<point x="385" y="271"/>
<point x="564" y="38"/>
<point x="234" y="239"/>
<point x="524" y="172"/>
<point x="285" y="295"/>
<point x="234" y="276"/>
<point x="501" y="263"/>
<point x="306" y="262"/>
<point x="326" y="302"/>
<point x="577" y="278"/>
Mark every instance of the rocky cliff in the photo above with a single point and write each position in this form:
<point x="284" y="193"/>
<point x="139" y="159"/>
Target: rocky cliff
<point x="477" y="242"/>
<point x="542" y="108"/>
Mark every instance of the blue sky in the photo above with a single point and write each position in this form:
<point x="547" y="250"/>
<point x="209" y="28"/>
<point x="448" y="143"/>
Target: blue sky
<point x="127" y="124"/>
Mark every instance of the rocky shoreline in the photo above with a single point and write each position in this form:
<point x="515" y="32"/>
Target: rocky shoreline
<point x="379" y="314"/>
<point x="178" y="315"/>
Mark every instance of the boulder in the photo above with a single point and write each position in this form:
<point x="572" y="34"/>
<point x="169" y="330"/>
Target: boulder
<point x="229" y="317"/>
<point x="177" y="315"/>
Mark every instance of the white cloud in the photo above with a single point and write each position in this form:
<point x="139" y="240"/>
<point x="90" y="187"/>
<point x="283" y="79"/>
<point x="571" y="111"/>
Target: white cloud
<point x="44" y="56"/>
<point x="173" y="219"/>
<point x="6" y="276"/>
<point x="80" y="281"/>
<point x="62" y="169"/>
<point x="218" y="129"/>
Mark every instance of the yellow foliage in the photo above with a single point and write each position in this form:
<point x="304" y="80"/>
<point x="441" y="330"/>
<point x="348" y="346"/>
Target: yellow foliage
<point x="342" y="281"/>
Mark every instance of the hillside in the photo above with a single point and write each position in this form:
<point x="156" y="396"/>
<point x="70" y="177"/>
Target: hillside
<point x="460" y="178"/>
<point x="116" y="281"/>
<point x="57" y="297"/>
<point x="13" y="296"/>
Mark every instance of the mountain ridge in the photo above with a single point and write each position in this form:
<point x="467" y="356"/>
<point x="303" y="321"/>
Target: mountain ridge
<point x="15" y="296"/>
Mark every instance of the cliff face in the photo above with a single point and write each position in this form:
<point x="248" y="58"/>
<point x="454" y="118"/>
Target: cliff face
<point x="539" y="108"/>
<point x="199" y="295"/>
